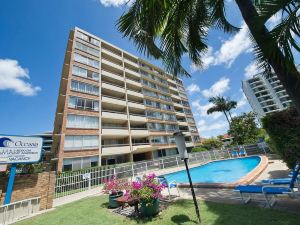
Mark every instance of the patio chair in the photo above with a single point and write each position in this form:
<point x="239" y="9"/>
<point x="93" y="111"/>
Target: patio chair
<point x="169" y="185"/>
<point x="234" y="153"/>
<point x="279" y="181"/>
<point x="242" y="151"/>
<point x="269" y="192"/>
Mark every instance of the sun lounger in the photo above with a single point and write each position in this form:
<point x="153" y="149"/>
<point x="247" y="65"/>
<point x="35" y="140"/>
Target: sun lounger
<point x="269" y="192"/>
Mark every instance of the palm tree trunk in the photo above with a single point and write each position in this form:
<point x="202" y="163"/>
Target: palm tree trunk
<point x="227" y="117"/>
<point x="287" y="74"/>
<point x="230" y="115"/>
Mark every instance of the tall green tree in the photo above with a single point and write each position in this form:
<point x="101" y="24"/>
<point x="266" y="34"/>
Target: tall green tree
<point x="222" y="105"/>
<point x="244" y="129"/>
<point x="167" y="29"/>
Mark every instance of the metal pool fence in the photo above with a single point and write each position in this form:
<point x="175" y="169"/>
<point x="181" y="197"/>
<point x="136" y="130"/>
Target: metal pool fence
<point x="69" y="183"/>
<point x="17" y="210"/>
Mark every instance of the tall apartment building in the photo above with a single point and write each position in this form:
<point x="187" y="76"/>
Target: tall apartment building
<point x="265" y="94"/>
<point x="114" y="107"/>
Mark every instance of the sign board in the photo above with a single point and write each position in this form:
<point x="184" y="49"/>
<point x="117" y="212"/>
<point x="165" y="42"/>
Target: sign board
<point x="86" y="176"/>
<point x="20" y="149"/>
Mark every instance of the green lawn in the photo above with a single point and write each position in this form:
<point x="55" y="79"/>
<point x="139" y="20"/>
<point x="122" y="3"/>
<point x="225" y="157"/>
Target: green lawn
<point x="92" y="211"/>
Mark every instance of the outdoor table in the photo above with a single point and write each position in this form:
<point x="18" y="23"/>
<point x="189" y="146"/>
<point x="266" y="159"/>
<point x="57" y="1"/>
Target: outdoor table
<point x="129" y="201"/>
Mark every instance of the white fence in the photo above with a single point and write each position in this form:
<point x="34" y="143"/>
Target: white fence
<point x="73" y="182"/>
<point x="17" y="210"/>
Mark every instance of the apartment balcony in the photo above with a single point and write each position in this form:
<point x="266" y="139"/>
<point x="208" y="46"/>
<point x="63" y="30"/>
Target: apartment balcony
<point x="182" y="123"/>
<point x="189" y="144"/>
<point x="135" y="93"/>
<point x="113" y="87"/>
<point x="186" y="132"/>
<point x="133" y="73"/>
<point x="134" y="64"/>
<point x="115" y="131"/>
<point x="136" y="105"/>
<point x="177" y="105"/>
<point x="133" y="82"/>
<point x="112" y="64"/>
<point x="176" y="97"/>
<point x="172" y="81"/>
<point x="116" y="149"/>
<point x="180" y="114"/>
<point x="114" y="115"/>
<point x="173" y="89"/>
<point x="142" y="147"/>
<point x="138" y="118"/>
<point x="113" y="100"/>
<point x="111" y="53"/>
<point x="111" y="75"/>
<point x="143" y="132"/>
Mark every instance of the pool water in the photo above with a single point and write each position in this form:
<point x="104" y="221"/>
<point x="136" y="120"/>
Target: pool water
<point x="223" y="171"/>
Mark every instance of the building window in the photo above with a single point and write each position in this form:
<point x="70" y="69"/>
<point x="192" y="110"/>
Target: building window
<point x="81" y="142"/>
<point x="86" y="60"/>
<point x="87" y="49"/>
<point x="80" y="121"/>
<point x="80" y="163"/>
<point x="78" y="71"/>
<point x="83" y="103"/>
<point x="84" y="88"/>
<point x="87" y="38"/>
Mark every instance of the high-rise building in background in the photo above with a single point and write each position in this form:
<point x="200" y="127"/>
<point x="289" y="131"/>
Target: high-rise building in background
<point x="265" y="94"/>
<point x="114" y="107"/>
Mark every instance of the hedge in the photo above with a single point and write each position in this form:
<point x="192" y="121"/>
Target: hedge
<point x="284" y="131"/>
<point x="199" y="149"/>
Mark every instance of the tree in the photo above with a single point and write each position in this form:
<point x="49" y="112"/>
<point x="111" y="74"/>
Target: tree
<point x="212" y="143"/>
<point x="168" y="29"/>
<point x="243" y="129"/>
<point x="222" y="105"/>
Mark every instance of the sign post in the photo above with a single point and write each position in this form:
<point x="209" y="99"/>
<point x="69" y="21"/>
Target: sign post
<point x="10" y="184"/>
<point x="18" y="150"/>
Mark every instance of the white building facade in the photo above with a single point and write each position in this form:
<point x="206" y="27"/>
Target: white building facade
<point x="265" y="94"/>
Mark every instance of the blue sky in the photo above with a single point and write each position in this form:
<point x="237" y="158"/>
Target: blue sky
<point x="33" y="40"/>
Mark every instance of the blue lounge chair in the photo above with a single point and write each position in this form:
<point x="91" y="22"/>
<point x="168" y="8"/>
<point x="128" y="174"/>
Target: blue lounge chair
<point x="234" y="153"/>
<point x="242" y="151"/>
<point x="169" y="185"/>
<point x="280" y="181"/>
<point x="269" y="192"/>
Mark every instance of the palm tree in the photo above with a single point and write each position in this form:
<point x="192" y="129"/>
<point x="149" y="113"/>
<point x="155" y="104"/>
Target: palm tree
<point x="222" y="105"/>
<point x="167" y="29"/>
<point x="230" y="105"/>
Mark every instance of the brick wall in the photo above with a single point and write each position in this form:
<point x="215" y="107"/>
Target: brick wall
<point x="30" y="186"/>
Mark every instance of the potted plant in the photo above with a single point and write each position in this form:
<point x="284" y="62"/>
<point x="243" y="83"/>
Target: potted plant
<point x="148" y="191"/>
<point x="115" y="188"/>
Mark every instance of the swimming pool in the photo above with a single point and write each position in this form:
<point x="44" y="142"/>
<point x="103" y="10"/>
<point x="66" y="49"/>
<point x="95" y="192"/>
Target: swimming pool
<point x="222" y="171"/>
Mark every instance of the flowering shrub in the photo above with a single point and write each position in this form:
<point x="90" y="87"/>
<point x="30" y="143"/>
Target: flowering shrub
<point x="115" y="185"/>
<point x="147" y="190"/>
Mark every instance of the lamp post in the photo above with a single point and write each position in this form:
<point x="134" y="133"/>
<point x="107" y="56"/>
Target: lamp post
<point x="180" y="143"/>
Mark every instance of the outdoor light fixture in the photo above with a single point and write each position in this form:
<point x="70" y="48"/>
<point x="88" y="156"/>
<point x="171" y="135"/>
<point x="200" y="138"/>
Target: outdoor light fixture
<point x="180" y="143"/>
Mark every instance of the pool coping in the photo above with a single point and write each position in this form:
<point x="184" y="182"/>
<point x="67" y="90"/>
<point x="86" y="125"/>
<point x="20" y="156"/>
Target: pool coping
<point x="249" y="178"/>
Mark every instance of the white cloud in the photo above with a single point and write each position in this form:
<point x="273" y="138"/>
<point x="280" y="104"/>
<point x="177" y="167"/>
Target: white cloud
<point x="201" y="110"/>
<point x="193" y="88"/>
<point x="251" y="70"/>
<point x="13" y="76"/>
<point x="229" y="51"/>
<point x="243" y="101"/>
<point x="114" y="3"/>
<point x="218" y="88"/>
<point x="204" y="126"/>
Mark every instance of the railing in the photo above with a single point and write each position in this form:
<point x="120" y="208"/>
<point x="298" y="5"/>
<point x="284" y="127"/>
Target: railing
<point x="17" y="210"/>
<point x="77" y="181"/>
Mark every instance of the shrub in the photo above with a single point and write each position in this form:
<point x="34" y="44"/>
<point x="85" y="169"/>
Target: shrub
<point x="199" y="149"/>
<point x="284" y="134"/>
